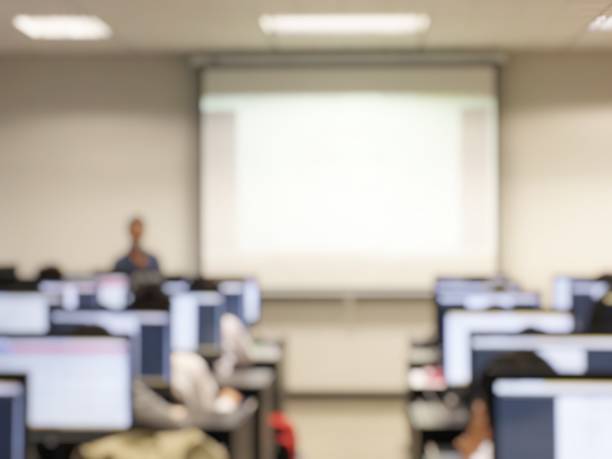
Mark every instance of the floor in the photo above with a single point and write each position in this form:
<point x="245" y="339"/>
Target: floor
<point x="350" y="428"/>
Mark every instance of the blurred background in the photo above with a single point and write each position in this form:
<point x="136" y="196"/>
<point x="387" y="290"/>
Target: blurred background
<point x="325" y="229"/>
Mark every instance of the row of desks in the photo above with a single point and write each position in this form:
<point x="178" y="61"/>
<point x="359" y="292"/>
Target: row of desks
<point x="436" y="415"/>
<point x="246" y="432"/>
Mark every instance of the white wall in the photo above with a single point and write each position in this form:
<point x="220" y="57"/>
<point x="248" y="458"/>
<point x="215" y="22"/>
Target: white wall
<point x="85" y="144"/>
<point x="556" y="166"/>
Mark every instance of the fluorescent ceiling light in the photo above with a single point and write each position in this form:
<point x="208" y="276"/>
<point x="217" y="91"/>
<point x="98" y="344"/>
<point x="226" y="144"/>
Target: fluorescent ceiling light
<point x="601" y="23"/>
<point x="61" y="27"/>
<point x="344" y="24"/>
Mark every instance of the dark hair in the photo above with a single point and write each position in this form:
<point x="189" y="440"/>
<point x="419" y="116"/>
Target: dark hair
<point x="511" y="364"/>
<point x="150" y="297"/>
<point x="50" y="273"/>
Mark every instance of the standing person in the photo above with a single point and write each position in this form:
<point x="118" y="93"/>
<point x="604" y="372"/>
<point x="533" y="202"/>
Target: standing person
<point x="137" y="259"/>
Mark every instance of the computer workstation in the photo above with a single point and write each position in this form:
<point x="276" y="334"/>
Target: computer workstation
<point x="579" y="296"/>
<point x="77" y="385"/>
<point x="101" y="291"/>
<point x="437" y="406"/>
<point x="567" y="355"/>
<point x="149" y="332"/>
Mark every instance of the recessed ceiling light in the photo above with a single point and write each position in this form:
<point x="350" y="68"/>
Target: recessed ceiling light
<point x="62" y="27"/>
<point x="344" y="24"/>
<point x="601" y="23"/>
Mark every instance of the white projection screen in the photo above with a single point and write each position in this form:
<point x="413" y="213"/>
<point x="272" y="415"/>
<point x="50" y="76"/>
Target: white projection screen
<point x="351" y="179"/>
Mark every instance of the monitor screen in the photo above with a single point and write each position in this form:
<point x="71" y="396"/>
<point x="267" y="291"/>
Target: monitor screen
<point x="243" y="299"/>
<point x="460" y="325"/>
<point x="175" y="286"/>
<point x="482" y="299"/>
<point x="552" y="418"/>
<point x="70" y="294"/>
<point x="23" y="313"/>
<point x="12" y="419"/>
<point x="586" y="294"/>
<point x="74" y="383"/>
<point x="114" y="323"/>
<point x="113" y="291"/>
<point x="195" y="320"/>
<point x="251" y="302"/>
<point x="155" y="344"/>
<point x="571" y="355"/>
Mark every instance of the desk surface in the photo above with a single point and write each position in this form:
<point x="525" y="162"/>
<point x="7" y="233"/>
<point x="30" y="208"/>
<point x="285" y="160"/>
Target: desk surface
<point x="422" y="356"/>
<point x="250" y="379"/>
<point x="225" y="422"/>
<point x="435" y="416"/>
<point x="265" y="353"/>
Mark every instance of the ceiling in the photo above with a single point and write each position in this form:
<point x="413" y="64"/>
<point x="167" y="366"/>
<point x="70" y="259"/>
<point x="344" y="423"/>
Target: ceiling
<point x="191" y="26"/>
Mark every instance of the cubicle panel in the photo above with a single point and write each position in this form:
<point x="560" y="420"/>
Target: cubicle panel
<point x="13" y="440"/>
<point x="459" y="326"/>
<point x="571" y="355"/>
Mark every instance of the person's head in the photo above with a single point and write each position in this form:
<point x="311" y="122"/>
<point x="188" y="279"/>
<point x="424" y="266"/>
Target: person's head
<point x="49" y="273"/>
<point x="136" y="228"/>
<point x="479" y="428"/>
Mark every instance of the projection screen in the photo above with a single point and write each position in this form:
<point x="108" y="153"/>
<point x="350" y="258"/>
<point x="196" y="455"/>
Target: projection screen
<point x="361" y="179"/>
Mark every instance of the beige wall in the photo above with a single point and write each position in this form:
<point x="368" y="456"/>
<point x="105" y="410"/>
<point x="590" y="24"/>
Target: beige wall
<point x="84" y="144"/>
<point x="556" y="166"/>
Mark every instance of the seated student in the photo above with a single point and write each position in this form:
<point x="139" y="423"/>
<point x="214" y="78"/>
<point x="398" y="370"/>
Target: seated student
<point x="192" y="383"/>
<point x="476" y="442"/>
<point x="150" y="410"/>
<point x="136" y="259"/>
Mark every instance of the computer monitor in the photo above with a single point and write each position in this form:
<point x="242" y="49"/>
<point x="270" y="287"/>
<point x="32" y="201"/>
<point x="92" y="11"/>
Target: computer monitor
<point x="196" y="320"/>
<point x="242" y="298"/>
<point x="551" y="418"/>
<point x="13" y="441"/>
<point x="23" y="313"/>
<point x="156" y="342"/>
<point x="171" y="287"/>
<point x="579" y="296"/>
<point x="70" y="294"/>
<point x="74" y="383"/>
<point x="460" y="325"/>
<point x="571" y="355"/>
<point x="113" y="291"/>
<point x="481" y="300"/>
<point x="150" y="331"/>
<point x="113" y="322"/>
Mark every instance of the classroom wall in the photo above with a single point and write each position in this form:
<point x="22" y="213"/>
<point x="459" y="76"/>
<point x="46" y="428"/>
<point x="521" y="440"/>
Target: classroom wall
<point x="556" y="166"/>
<point x="84" y="145"/>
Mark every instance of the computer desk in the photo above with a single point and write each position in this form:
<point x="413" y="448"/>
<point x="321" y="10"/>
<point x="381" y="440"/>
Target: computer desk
<point x="236" y="431"/>
<point x="259" y="383"/>
<point x="271" y="354"/>
<point x="434" y="412"/>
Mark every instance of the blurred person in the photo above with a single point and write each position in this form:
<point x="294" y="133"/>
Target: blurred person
<point x="192" y="383"/>
<point x="49" y="273"/>
<point x="476" y="442"/>
<point x="136" y="259"/>
<point x="236" y="342"/>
